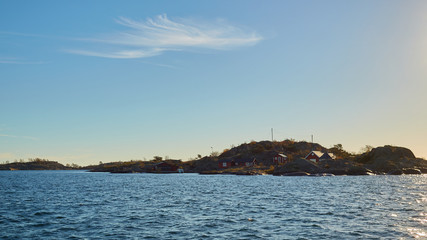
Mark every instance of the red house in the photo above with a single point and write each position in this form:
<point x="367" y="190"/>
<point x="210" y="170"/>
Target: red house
<point x="229" y="162"/>
<point x="225" y="163"/>
<point x="280" y="158"/>
<point x="316" y="156"/>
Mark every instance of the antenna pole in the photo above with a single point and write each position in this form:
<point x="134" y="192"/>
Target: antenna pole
<point x="272" y="135"/>
<point x="312" y="143"/>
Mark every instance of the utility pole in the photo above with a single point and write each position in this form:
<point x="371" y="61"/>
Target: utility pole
<point x="312" y="143"/>
<point x="272" y="138"/>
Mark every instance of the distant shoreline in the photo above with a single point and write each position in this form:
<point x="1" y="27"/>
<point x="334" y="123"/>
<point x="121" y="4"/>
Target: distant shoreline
<point x="257" y="158"/>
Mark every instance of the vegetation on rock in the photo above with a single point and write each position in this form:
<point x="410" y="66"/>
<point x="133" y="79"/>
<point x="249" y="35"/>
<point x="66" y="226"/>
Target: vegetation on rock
<point x="36" y="164"/>
<point x="380" y="160"/>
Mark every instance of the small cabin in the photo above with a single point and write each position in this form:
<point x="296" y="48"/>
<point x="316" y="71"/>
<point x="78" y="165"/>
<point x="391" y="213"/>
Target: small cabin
<point x="280" y="158"/>
<point x="229" y="162"/>
<point x="225" y="163"/>
<point x="316" y="156"/>
<point x="246" y="162"/>
<point x="164" y="167"/>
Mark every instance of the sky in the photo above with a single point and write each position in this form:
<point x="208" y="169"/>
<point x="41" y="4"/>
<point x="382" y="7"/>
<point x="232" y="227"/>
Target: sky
<point x="89" y="81"/>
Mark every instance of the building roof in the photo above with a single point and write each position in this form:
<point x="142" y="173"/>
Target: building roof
<point x="225" y="160"/>
<point x="282" y="155"/>
<point x="327" y="155"/>
<point x="322" y="155"/>
<point x="318" y="154"/>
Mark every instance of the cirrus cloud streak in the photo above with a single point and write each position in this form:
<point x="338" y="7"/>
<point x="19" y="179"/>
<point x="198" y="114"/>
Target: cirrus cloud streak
<point x="152" y="37"/>
<point x="13" y="136"/>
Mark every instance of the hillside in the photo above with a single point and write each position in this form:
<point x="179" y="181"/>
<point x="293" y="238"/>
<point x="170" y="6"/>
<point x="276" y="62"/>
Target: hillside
<point x="265" y="150"/>
<point x="35" y="164"/>
<point x="380" y="160"/>
<point x="135" y="166"/>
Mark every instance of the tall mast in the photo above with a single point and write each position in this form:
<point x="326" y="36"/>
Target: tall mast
<point x="272" y="139"/>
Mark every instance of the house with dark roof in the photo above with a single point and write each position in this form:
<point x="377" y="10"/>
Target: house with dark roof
<point x="164" y="167"/>
<point x="316" y="156"/>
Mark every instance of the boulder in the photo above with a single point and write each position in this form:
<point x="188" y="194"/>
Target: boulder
<point x="299" y="165"/>
<point x="411" y="171"/>
<point x="389" y="159"/>
<point x="322" y="175"/>
<point x="336" y="171"/>
<point x="359" y="170"/>
<point x="395" y="172"/>
<point x="296" y="174"/>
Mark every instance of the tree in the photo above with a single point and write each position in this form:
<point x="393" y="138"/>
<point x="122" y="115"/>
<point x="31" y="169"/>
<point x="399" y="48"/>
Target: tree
<point x="339" y="151"/>
<point x="73" y="165"/>
<point x="214" y="154"/>
<point x="367" y="148"/>
<point x="338" y="146"/>
<point x="157" y="158"/>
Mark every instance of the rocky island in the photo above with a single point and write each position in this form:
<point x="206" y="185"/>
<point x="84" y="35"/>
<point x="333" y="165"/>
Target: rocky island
<point x="380" y="160"/>
<point x="36" y="164"/>
<point x="256" y="158"/>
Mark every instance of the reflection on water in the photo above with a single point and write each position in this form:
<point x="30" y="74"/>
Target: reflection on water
<point x="76" y="204"/>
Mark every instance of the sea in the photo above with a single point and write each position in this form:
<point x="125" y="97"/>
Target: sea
<point x="85" y="205"/>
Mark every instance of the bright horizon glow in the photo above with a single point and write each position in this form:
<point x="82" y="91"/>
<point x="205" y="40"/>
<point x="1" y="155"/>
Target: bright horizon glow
<point x="83" y="82"/>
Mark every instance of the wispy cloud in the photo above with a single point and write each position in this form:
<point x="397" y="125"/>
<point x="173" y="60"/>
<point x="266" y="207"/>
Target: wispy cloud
<point x="24" y="34"/>
<point x="8" y="60"/>
<point x="160" y="65"/>
<point x="120" y="53"/>
<point x="20" y="62"/>
<point x="154" y="36"/>
<point x="14" y="136"/>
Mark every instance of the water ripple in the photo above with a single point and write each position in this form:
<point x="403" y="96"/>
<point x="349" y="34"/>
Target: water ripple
<point x="80" y="205"/>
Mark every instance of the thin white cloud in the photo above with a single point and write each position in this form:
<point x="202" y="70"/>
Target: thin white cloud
<point x="14" y="60"/>
<point x="157" y="35"/>
<point x="14" y="136"/>
<point x="160" y="65"/>
<point x="20" y="62"/>
<point x="120" y="54"/>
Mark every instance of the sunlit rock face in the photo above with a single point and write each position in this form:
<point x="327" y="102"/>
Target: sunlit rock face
<point x="390" y="158"/>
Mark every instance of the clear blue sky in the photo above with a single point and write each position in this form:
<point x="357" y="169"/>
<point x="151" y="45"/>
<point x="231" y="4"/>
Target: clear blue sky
<point x="89" y="81"/>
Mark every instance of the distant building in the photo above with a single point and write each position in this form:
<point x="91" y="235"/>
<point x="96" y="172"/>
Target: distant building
<point x="229" y="162"/>
<point x="164" y="167"/>
<point x="316" y="156"/>
<point x="248" y="162"/>
<point x="280" y="158"/>
<point x="225" y="163"/>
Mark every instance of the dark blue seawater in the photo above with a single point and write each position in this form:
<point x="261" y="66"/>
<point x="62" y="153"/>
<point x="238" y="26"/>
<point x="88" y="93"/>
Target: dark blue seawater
<point x="82" y="205"/>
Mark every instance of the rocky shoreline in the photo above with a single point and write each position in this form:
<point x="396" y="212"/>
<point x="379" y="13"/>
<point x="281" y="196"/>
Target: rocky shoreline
<point x="384" y="160"/>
